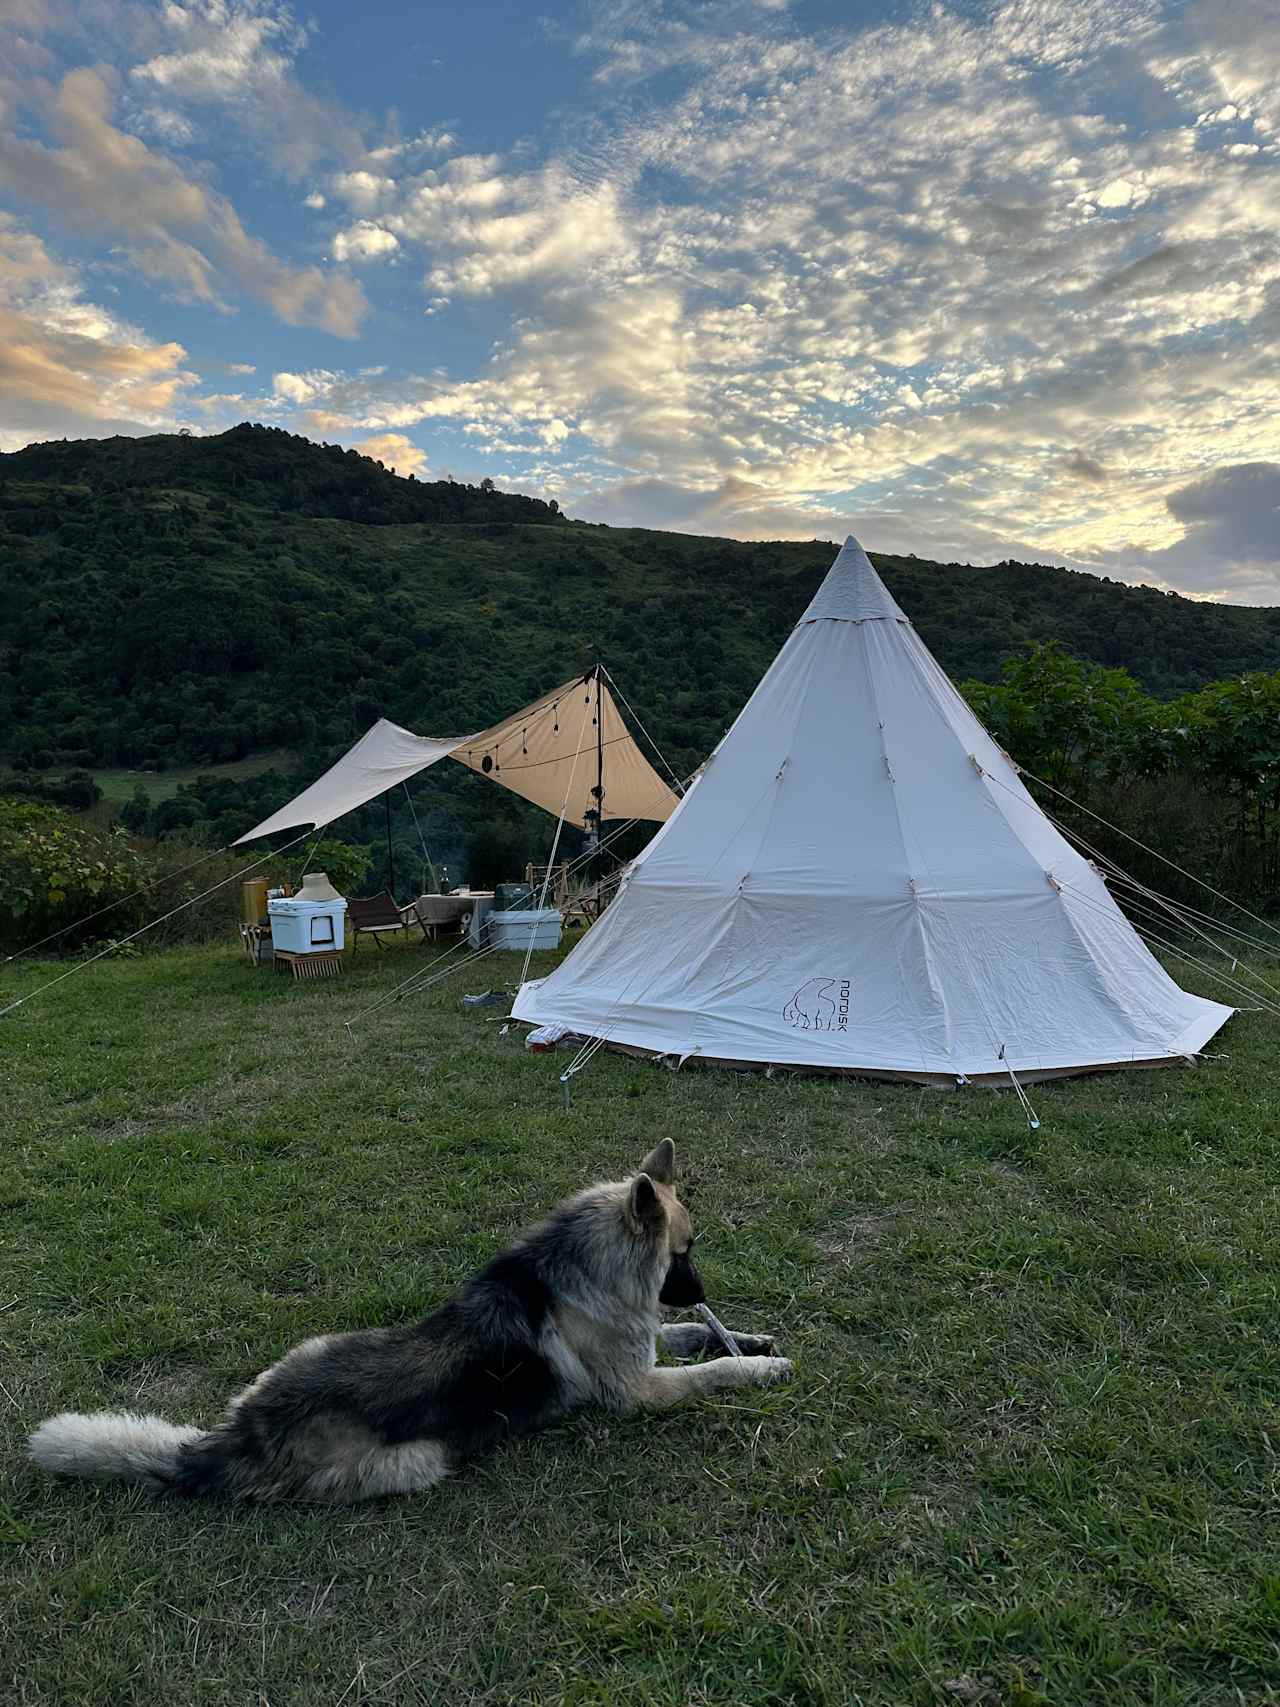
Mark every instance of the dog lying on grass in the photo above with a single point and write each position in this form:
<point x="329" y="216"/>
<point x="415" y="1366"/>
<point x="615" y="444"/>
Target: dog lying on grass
<point x="567" y="1317"/>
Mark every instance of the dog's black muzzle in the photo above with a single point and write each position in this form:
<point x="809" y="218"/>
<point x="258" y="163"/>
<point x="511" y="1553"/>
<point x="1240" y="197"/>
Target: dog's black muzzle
<point x="683" y="1284"/>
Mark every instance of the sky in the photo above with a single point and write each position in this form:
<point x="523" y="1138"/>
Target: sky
<point x="974" y="280"/>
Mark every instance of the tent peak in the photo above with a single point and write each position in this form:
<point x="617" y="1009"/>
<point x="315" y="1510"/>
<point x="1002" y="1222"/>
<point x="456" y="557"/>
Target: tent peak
<point x="852" y="591"/>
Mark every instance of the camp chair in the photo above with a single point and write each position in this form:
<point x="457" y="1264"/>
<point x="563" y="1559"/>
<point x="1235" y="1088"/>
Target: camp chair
<point x="375" y="915"/>
<point x="586" y="905"/>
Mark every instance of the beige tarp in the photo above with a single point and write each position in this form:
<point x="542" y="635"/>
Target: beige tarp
<point x="548" y="752"/>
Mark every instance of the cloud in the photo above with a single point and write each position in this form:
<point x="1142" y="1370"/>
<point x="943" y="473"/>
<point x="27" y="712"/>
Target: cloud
<point x="1084" y="467"/>
<point x="173" y="129"/>
<point x="67" y="366"/>
<point x="301" y="387"/>
<point x="364" y="241"/>
<point x="892" y="269"/>
<point x="1232" y="523"/>
<point x="1244" y="500"/>
<point x="100" y="179"/>
<point x="738" y="509"/>
<point x="488" y="230"/>
<point x="239" y="55"/>
<point x="221" y="48"/>
<point x="1230" y="537"/>
<point x="363" y="192"/>
<point x="424" y="142"/>
<point x="397" y="452"/>
<point x="1228" y="57"/>
<point x="974" y="280"/>
<point x="635" y="41"/>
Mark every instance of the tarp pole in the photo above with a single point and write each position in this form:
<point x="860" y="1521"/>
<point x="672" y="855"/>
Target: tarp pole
<point x="391" y="862"/>
<point x="599" y="860"/>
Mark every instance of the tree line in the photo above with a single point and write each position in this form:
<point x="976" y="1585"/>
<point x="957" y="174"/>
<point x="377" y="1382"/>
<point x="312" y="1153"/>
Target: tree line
<point x="1196" y="777"/>
<point x="176" y="601"/>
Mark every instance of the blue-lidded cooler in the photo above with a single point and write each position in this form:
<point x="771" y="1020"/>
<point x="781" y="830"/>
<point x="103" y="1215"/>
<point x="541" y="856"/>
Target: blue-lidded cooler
<point x="307" y="927"/>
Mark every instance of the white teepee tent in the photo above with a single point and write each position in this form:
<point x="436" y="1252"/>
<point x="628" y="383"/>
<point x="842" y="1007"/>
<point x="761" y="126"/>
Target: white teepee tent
<point x="859" y="882"/>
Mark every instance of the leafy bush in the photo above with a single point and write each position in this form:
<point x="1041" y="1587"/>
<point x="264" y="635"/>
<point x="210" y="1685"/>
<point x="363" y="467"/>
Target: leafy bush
<point x="60" y="870"/>
<point x="77" y="789"/>
<point x="57" y="869"/>
<point x="347" y="867"/>
<point x="1196" y="778"/>
<point x="135" y="814"/>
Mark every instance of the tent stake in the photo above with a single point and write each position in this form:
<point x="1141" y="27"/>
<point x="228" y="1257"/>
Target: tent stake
<point x="564" y="1081"/>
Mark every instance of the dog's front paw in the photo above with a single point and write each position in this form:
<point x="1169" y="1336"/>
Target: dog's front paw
<point x="767" y="1369"/>
<point x="756" y="1345"/>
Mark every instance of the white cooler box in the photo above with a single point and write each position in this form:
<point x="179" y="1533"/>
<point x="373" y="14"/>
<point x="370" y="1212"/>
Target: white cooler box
<point x="307" y="927"/>
<point x="536" y="929"/>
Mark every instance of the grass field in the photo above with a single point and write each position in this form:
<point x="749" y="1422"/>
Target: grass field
<point x="119" y="785"/>
<point x="1029" y="1456"/>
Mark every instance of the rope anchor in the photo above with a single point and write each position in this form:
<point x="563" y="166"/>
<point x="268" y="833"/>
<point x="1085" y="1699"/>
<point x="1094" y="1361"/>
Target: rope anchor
<point x="1033" y="1119"/>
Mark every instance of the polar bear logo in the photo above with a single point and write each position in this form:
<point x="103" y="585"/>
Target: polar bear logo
<point x="813" y="1007"/>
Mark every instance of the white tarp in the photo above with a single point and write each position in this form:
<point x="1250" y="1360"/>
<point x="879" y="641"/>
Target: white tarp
<point x="549" y="753"/>
<point x="859" y="880"/>
<point x="383" y="756"/>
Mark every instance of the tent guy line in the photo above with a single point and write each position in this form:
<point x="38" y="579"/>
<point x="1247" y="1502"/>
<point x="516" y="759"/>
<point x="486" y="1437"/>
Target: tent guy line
<point x="83" y="965"/>
<point x="1163" y="919"/>
<point x="1117" y="874"/>
<point x="1180" y="915"/>
<point x="88" y="918"/>
<point x="1171" y="947"/>
<point x="1155" y="854"/>
<point x="420" y="981"/>
<point x="630" y="709"/>
<point x="564" y="807"/>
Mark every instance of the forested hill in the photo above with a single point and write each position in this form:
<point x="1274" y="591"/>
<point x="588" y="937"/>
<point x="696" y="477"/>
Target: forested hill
<point x="176" y="600"/>
<point x="270" y="469"/>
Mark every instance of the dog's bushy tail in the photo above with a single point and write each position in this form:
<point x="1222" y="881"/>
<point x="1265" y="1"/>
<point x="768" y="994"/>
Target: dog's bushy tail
<point x="113" y="1443"/>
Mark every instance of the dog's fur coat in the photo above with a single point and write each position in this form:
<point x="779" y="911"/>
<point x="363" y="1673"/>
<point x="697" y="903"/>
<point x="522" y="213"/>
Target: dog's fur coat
<point x="568" y="1316"/>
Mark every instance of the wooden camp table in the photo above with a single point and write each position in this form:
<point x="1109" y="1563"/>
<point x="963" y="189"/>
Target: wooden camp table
<point x="440" y="911"/>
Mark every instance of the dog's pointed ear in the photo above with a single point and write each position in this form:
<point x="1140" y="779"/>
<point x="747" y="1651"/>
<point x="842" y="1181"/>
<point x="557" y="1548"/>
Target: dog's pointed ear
<point x="660" y="1163"/>
<point x="644" y="1202"/>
